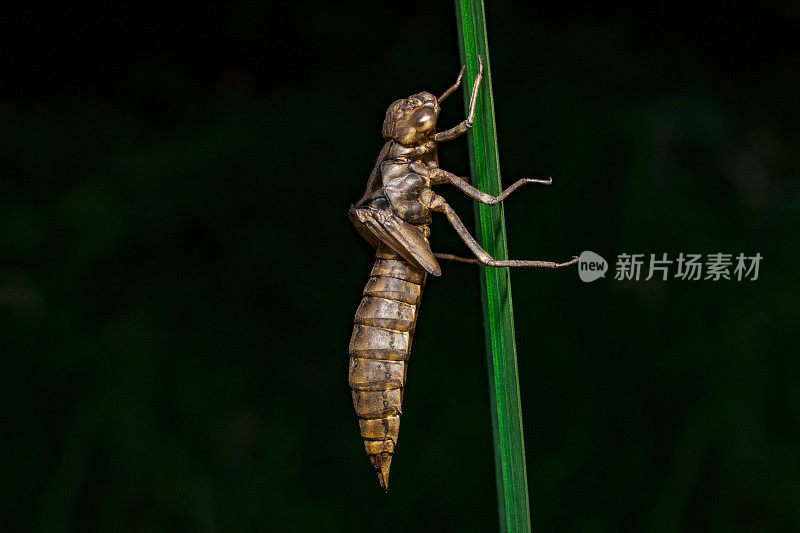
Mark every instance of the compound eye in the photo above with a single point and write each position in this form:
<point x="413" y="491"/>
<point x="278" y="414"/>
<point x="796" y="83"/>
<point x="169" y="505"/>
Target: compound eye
<point x="424" y="119"/>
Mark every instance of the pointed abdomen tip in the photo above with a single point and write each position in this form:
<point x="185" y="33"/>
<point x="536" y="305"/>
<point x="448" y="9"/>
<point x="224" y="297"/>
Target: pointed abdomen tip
<point x="382" y="463"/>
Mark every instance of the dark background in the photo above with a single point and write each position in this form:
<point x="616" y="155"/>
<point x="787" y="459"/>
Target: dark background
<point x="178" y="277"/>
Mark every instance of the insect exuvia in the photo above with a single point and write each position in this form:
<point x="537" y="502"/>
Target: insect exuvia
<point x="394" y="216"/>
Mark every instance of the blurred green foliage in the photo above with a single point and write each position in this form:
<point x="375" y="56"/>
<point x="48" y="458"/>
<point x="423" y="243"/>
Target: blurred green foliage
<point x="178" y="277"/>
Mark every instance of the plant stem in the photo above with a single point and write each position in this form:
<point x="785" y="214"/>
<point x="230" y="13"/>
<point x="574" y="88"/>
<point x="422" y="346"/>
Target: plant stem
<point x="509" y="446"/>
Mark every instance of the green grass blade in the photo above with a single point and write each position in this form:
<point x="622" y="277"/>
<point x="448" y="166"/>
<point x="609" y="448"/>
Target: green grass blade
<point x="509" y="445"/>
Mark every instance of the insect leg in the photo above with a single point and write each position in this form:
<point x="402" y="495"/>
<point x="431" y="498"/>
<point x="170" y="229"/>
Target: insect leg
<point x="455" y="86"/>
<point x="457" y="259"/>
<point x="482" y="255"/>
<point x="484" y="198"/>
<point x="455" y="132"/>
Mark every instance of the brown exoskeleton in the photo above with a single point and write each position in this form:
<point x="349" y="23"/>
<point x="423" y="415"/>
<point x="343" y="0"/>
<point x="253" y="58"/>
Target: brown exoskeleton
<point x="394" y="215"/>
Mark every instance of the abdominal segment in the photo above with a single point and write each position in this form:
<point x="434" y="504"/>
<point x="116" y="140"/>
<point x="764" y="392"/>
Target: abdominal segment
<point x="379" y="352"/>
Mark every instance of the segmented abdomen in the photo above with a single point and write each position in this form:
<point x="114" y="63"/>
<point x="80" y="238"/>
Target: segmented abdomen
<point x="379" y="351"/>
